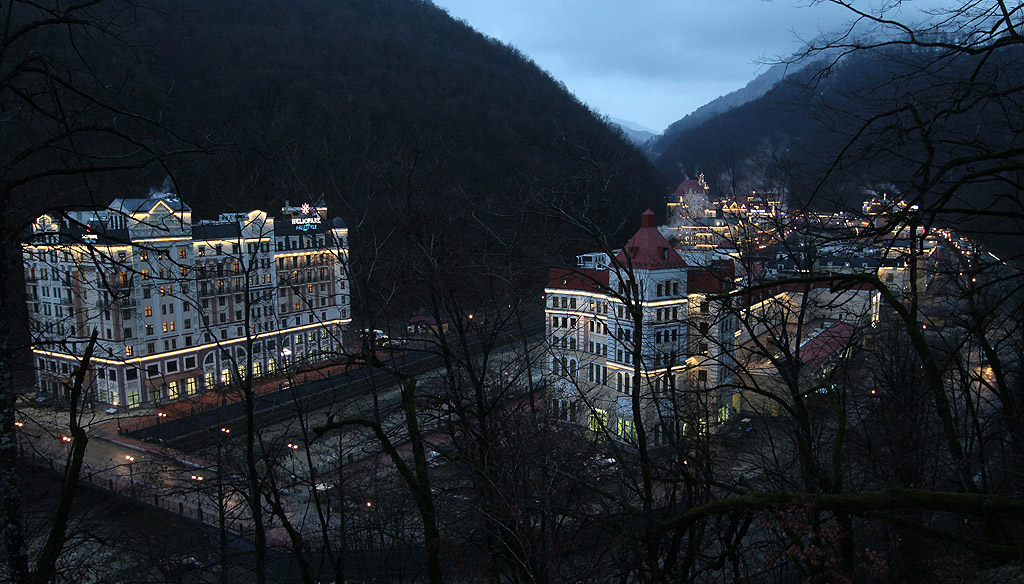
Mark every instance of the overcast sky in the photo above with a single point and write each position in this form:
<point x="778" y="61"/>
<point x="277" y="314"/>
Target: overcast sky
<point x="649" y="61"/>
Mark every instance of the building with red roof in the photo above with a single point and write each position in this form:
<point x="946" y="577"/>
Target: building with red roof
<point x="635" y="322"/>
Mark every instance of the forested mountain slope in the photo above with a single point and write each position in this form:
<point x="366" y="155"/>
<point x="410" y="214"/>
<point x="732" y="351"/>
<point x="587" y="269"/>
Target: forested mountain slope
<point x="359" y="100"/>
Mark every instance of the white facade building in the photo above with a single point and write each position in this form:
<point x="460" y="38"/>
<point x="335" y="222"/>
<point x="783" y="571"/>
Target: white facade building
<point x="642" y="325"/>
<point x="180" y="306"/>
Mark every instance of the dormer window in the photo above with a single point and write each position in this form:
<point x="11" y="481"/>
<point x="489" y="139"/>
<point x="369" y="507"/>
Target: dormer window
<point x="664" y="253"/>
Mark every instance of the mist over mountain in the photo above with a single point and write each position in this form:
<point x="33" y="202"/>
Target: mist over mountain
<point x="643" y="137"/>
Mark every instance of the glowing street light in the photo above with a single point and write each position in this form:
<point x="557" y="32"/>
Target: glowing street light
<point x="131" y="472"/>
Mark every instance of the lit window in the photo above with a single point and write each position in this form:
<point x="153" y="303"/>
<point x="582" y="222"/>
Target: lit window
<point x="128" y="351"/>
<point x="148" y="311"/>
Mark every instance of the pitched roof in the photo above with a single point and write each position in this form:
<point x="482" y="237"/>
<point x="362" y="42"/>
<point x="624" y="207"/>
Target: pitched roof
<point x="141" y="205"/>
<point x="711" y="279"/>
<point x="648" y="249"/>
<point x="585" y="280"/>
<point x="202" y="231"/>
<point x="826" y="345"/>
<point x="690" y="186"/>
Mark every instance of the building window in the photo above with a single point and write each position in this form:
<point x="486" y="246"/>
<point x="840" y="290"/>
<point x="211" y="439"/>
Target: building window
<point x="598" y="420"/>
<point x="145" y="274"/>
<point x="128" y="350"/>
<point x="626" y="430"/>
<point x="149" y="329"/>
<point x="190" y="386"/>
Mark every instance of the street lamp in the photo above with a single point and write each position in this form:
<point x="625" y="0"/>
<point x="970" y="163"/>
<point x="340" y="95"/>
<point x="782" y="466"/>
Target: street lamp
<point x="293" y="448"/>
<point x="159" y="431"/>
<point x="131" y="472"/>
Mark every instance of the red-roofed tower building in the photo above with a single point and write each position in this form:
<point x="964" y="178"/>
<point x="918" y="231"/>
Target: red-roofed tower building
<point x="619" y="325"/>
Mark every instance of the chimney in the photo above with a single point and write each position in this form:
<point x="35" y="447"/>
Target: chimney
<point x="647" y="219"/>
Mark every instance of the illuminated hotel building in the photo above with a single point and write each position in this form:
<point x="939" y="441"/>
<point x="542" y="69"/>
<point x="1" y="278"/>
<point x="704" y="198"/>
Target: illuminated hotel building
<point x="683" y="347"/>
<point x="181" y="307"/>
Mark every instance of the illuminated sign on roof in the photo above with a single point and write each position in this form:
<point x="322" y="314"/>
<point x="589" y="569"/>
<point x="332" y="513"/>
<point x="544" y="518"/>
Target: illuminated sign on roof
<point x="306" y="223"/>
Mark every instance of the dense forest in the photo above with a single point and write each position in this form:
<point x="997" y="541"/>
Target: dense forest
<point x="357" y="101"/>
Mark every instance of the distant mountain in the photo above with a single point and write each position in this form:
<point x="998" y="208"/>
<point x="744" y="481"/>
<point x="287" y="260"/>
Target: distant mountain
<point x="751" y="91"/>
<point x="641" y="136"/>
<point x="791" y="135"/>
